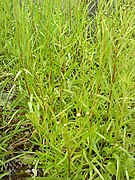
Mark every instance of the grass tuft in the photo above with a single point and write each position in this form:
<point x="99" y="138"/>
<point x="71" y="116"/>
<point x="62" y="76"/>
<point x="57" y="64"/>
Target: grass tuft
<point x="67" y="90"/>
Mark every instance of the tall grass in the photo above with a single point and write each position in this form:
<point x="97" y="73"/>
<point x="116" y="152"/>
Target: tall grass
<point x="69" y="86"/>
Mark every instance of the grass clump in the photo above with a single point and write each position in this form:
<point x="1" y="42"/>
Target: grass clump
<point x="67" y="90"/>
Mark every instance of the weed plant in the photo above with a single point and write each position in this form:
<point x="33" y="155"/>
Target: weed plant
<point x="67" y="89"/>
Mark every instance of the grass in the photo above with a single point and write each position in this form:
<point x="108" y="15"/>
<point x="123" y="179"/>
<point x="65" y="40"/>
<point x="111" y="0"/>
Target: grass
<point x="67" y="94"/>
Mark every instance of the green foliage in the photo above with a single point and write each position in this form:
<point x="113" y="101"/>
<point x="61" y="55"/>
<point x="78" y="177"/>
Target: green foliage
<point x="67" y="93"/>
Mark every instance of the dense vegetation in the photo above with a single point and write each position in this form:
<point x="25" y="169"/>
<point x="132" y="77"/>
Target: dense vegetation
<point x="67" y="102"/>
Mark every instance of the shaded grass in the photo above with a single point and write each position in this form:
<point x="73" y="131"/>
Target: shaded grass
<point x="69" y="106"/>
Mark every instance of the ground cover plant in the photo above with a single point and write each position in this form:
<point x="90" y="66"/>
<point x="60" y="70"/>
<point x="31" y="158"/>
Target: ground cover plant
<point x="67" y="90"/>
